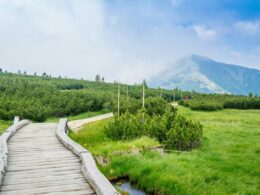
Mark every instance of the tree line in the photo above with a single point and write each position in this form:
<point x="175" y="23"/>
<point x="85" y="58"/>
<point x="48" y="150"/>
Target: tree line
<point x="40" y="97"/>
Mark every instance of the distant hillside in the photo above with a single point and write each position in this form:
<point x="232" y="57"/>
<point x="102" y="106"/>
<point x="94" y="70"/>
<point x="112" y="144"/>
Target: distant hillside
<point x="205" y="75"/>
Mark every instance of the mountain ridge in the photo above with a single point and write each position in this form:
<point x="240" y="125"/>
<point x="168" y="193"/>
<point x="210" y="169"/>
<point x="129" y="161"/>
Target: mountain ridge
<point x="203" y="74"/>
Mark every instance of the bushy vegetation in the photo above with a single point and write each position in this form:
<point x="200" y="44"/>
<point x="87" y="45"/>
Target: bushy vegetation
<point x="35" y="99"/>
<point x="243" y="103"/>
<point x="207" y="105"/>
<point x="40" y="97"/>
<point x="159" y="121"/>
<point x="215" y="102"/>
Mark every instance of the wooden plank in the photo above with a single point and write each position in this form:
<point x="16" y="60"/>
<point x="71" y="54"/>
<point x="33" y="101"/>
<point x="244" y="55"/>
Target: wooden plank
<point x="56" y="158"/>
<point x="49" y="183"/>
<point x="46" y="189"/>
<point x="39" y="156"/>
<point x="39" y="164"/>
<point x="9" y="180"/>
<point x="79" y="192"/>
<point x="43" y="167"/>
<point x="35" y="154"/>
<point x="41" y="174"/>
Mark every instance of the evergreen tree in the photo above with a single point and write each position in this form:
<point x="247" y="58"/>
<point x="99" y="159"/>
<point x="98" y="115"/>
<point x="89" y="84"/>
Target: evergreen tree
<point x="97" y="78"/>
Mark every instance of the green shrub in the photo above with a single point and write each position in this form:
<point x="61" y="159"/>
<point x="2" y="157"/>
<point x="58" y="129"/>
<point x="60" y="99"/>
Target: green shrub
<point x="123" y="127"/>
<point x="184" y="134"/>
<point x="170" y="129"/>
<point x="155" y="106"/>
<point x="245" y="103"/>
<point x="212" y="102"/>
<point x="207" y="106"/>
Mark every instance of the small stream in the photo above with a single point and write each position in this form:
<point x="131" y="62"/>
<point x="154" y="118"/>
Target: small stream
<point x="127" y="187"/>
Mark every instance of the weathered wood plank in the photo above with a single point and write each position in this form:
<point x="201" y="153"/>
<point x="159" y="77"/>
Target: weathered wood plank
<point x="49" y="183"/>
<point x="41" y="174"/>
<point x="39" y="164"/>
<point x="45" y="189"/>
<point x="58" y="158"/>
<point x="12" y="180"/>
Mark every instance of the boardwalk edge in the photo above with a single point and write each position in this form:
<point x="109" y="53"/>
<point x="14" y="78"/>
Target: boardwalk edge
<point x="3" y="145"/>
<point x="98" y="181"/>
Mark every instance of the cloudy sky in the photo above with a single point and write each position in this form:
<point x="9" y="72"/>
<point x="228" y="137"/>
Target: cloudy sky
<point x="125" y="40"/>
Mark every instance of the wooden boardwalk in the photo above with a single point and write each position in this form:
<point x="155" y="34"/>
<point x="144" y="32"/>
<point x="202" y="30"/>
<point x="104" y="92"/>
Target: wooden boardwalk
<point x="38" y="163"/>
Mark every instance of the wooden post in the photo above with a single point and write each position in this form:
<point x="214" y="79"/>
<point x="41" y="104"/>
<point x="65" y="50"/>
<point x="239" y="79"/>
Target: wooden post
<point x="127" y="92"/>
<point x="143" y="94"/>
<point x="118" y="99"/>
<point x="16" y="120"/>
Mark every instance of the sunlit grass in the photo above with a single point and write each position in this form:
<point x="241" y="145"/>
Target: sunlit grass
<point x="93" y="139"/>
<point x="228" y="161"/>
<point x="4" y="125"/>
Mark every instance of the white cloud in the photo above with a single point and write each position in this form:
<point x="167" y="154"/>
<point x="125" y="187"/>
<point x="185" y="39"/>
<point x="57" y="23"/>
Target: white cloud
<point x="250" y="27"/>
<point x="205" y="34"/>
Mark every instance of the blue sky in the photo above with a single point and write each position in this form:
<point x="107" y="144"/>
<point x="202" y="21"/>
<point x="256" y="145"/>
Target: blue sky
<point x="125" y="40"/>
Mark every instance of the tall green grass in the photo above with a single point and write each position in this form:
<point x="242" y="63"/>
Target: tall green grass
<point x="227" y="162"/>
<point x="4" y="125"/>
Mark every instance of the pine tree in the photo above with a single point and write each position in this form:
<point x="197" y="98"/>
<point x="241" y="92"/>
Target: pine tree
<point x="97" y="78"/>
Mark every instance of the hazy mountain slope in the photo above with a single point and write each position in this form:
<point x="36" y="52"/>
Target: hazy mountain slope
<point x="206" y="75"/>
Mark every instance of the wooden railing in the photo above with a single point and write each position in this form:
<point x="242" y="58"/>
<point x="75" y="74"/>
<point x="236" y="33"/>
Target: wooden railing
<point x="3" y="144"/>
<point x="90" y="171"/>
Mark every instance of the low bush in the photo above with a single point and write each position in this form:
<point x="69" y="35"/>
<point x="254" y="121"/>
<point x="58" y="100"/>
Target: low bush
<point x="184" y="134"/>
<point x="155" y="106"/>
<point x="246" y="103"/>
<point x="207" y="106"/>
<point x="169" y="128"/>
<point x="213" y="103"/>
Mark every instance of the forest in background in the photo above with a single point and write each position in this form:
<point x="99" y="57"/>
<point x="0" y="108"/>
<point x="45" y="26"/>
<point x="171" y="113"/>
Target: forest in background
<point x="40" y="97"/>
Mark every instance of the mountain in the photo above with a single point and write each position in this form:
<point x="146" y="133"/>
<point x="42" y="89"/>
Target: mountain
<point x="205" y="75"/>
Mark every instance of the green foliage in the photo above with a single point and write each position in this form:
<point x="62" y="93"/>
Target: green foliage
<point x="123" y="127"/>
<point x="33" y="98"/>
<point x="247" y="103"/>
<point x="92" y="137"/>
<point x="184" y="134"/>
<point x="131" y="105"/>
<point x="40" y="97"/>
<point x="218" y="102"/>
<point x="155" y="106"/>
<point x="4" y="125"/>
<point x="165" y="125"/>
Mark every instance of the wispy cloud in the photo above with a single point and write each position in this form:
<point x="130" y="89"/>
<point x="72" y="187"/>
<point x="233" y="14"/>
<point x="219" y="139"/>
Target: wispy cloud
<point x="250" y="27"/>
<point x="205" y="34"/>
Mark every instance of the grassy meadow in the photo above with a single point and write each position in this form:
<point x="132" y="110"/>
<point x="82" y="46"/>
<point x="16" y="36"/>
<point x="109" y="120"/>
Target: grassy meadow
<point x="4" y="125"/>
<point x="227" y="162"/>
